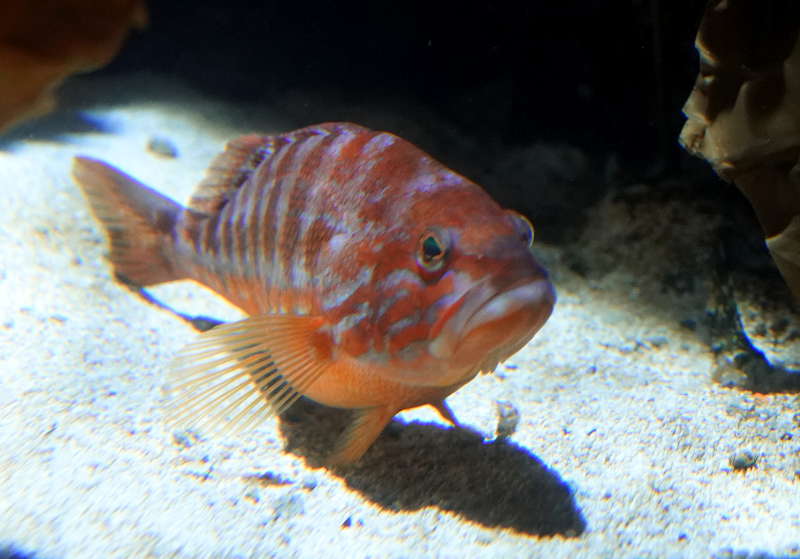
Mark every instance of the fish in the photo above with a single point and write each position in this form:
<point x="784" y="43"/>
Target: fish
<point x="373" y="277"/>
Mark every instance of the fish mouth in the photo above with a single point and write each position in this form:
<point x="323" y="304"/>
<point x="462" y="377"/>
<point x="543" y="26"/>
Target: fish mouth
<point x="518" y="311"/>
<point x="537" y="295"/>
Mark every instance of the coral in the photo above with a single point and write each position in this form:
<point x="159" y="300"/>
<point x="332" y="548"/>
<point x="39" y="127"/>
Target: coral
<point x="41" y="43"/>
<point x="743" y="115"/>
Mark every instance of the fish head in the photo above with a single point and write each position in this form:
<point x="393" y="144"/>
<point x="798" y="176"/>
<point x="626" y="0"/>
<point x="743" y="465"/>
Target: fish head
<point x="503" y="296"/>
<point x="458" y="289"/>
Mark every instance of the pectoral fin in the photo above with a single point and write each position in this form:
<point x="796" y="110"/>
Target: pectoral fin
<point x="243" y="372"/>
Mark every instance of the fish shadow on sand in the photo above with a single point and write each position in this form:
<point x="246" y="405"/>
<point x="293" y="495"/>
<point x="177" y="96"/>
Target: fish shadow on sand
<point x="12" y="552"/>
<point x="497" y="484"/>
<point x="416" y="465"/>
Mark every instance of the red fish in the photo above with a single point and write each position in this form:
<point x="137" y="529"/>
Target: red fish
<point x="374" y="277"/>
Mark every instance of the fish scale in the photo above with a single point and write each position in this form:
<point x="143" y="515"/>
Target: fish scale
<point x="374" y="277"/>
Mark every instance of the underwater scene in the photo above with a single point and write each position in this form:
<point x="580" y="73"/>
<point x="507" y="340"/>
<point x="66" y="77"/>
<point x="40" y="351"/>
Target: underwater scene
<point x="379" y="280"/>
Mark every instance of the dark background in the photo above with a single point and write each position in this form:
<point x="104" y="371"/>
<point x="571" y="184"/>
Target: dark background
<point x="608" y="75"/>
<point x="608" y="78"/>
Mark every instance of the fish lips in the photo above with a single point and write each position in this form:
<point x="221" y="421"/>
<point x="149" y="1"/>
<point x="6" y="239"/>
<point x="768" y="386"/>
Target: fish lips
<point x="528" y="302"/>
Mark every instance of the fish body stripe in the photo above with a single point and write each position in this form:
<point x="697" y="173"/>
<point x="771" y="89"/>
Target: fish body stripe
<point x="307" y="210"/>
<point x="301" y="210"/>
<point x="281" y="186"/>
<point x="269" y="232"/>
<point x="258" y="232"/>
<point x="245" y="226"/>
<point x="285" y="224"/>
<point x="226" y="240"/>
<point x="274" y="226"/>
<point x="253" y="229"/>
<point x="340" y="299"/>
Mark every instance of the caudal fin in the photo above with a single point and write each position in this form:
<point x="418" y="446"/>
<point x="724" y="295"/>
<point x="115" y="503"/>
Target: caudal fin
<point x="139" y="222"/>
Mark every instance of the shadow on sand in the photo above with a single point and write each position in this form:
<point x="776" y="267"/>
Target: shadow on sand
<point x="11" y="552"/>
<point x="411" y="466"/>
<point x="416" y="465"/>
<point x="54" y="127"/>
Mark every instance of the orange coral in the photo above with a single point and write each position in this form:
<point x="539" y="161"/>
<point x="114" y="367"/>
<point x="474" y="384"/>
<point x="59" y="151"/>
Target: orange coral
<point x="41" y="43"/>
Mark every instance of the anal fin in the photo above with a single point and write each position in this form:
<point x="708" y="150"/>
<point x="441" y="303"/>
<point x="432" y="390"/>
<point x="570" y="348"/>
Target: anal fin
<point x="366" y="426"/>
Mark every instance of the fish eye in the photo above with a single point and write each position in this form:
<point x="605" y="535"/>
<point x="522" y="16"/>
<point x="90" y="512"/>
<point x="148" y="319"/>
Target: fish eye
<point x="524" y="226"/>
<point x="432" y="249"/>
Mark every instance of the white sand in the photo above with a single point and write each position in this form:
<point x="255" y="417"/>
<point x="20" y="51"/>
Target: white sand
<point x="622" y="448"/>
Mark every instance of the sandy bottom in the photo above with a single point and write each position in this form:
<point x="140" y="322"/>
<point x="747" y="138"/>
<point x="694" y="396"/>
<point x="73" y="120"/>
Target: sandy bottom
<point x="623" y="446"/>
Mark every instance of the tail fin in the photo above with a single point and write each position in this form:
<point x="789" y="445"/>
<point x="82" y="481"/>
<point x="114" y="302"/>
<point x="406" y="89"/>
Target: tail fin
<point x="139" y="222"/>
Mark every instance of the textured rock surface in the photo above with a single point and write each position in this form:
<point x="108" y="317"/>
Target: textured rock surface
<point x="743" y="115"/>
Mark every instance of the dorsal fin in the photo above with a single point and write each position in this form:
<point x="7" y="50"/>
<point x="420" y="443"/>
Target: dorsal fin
<point x="234" y="166"/>
<point x="230" y="170"/>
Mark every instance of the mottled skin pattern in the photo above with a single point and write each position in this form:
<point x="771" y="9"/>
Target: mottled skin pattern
<point x="335" y="223"/>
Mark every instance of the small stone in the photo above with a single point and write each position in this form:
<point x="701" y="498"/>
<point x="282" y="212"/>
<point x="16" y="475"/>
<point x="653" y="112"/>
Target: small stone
<point x="290" y="505"/>
<point x="507" y="419"/>
<point x="659" y="341"/>
<point x="310" y="483"/>
<point x="268" y="479"/>
<point x="729" y="376"/>
<point x="204" y="323"/>
<point x="742" y="460"/>
<point x="202" y="475"/>
<point x="484" y="538"/>
<point x="162" y="146"/>
<point x="185" y="439"/>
